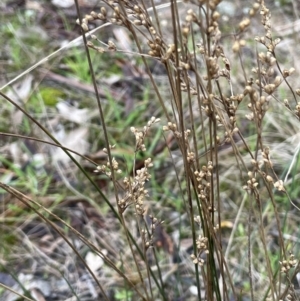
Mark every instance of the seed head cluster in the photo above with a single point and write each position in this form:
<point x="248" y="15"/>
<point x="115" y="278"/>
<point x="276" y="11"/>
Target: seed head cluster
<point x="203" y="178"/>
<point x="202" y="246"/>
<point x="135" y="192"/>
<point x="286" y="265"/>
<point x="106" y="168"/>
<point x="140" y="135"/>
<point x="134" y="188"/>
<point x="148" y="236"/>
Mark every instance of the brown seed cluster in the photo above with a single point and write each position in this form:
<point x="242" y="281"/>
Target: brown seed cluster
<point x="268" y="79"/>
<point x="135" y="192"/>
<point x="148" y="236"/>
<point x="202" y="246"/>
<point x="134" y="16"/>
<point x="203" y="178"/>
<point x="252" y="184"/>
<point x="191" y="157"/>
<point x="243" y="26"/>
<point x="286" y="265"/>
<point x="140" y="135"/>
<point x="133" y="188"/>
<point x="173" y="128"/>
<point x="106" y="168"/>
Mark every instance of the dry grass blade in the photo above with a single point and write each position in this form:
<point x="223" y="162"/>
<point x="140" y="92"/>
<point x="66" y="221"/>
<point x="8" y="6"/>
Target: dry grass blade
<point x="15" y="292"/>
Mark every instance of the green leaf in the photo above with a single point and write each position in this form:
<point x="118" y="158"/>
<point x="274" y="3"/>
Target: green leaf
<point x="51" y="96"/>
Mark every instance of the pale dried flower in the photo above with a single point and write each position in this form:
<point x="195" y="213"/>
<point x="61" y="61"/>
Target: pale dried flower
<point x="85" y="27"/>
<point x="244" y="24"/>
<point x="270" y="88"/>
<point x="279" y="185"/>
